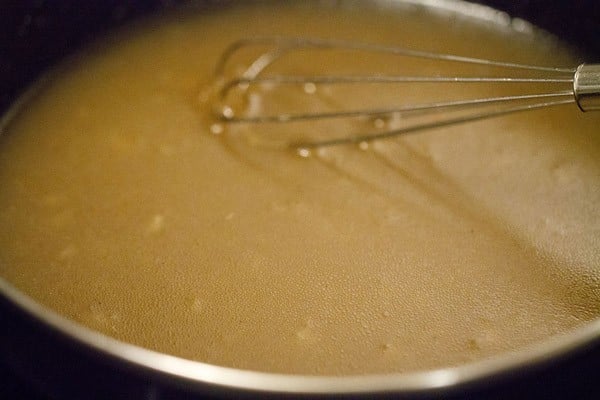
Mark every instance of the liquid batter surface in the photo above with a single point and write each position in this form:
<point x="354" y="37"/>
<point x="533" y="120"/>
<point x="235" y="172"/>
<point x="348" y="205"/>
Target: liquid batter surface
<point x="121" y="211"/>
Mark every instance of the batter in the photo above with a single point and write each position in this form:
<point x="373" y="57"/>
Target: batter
<point x="122" y="211"/>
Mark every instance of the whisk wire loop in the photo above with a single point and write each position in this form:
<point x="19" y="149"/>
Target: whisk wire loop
<point x="583" y="87"/>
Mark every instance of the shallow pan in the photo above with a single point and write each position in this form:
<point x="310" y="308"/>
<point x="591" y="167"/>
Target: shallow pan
<point x="66" y="360"/>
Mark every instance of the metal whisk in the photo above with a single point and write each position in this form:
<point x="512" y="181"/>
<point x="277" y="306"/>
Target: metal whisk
<point x="580" y="85"/>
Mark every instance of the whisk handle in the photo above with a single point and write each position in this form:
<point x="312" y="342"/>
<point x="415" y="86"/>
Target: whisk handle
<point x="586" y="87"/>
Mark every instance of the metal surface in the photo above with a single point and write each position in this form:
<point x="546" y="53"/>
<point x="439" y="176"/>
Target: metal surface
<point x="586" y="87"/>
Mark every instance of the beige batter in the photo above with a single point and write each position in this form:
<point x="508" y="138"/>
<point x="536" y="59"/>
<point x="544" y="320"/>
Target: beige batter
<point x="120" y="210"/>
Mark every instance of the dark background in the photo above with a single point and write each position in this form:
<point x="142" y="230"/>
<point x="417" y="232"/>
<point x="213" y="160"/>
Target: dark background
<point x="35" y="34"/>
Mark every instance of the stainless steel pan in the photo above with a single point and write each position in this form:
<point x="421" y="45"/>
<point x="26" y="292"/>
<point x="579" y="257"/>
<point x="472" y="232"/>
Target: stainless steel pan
<point x="63" y="359"/>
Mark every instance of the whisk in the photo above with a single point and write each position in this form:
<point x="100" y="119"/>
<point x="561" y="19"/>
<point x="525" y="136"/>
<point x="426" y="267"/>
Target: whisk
<point x="581" y="86"/>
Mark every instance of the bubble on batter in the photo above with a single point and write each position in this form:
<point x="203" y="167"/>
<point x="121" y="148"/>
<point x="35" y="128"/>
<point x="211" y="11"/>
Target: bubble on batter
<point x="364" y="145"/>
<point x="304" y="152"/>
<point x="198" y="305"/>
<point x="310" y="88"/>
<point x="379" y="123"/>
<point x="217" y="129"/>
<point x="227" y="112"/>
<point x="306" y="332"/>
